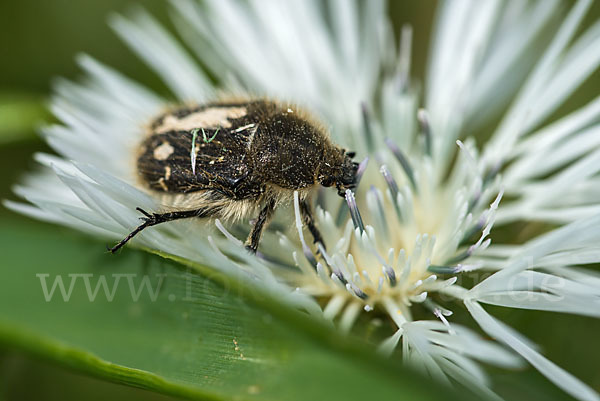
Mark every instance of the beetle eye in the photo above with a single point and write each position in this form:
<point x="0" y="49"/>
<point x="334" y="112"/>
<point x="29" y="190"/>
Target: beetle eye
<point x="351" y="154"/>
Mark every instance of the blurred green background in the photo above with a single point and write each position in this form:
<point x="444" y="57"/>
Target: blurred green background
<point x="39" y="39"/>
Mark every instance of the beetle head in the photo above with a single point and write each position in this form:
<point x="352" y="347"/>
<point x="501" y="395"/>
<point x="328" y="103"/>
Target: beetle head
<point x="342" y="174"/>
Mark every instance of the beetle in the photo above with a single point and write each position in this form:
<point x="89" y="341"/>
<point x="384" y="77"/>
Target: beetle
<point x="232" y="159"/>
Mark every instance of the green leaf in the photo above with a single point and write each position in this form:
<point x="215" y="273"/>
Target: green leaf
<point x="187" y="335"/>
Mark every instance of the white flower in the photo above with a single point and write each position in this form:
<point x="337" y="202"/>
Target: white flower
<point x="428" y="196"/>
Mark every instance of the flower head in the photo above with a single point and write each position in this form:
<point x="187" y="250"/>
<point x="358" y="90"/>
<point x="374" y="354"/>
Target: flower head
<point x="428" y="195"/>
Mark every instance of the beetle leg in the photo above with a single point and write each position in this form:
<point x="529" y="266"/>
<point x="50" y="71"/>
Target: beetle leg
<point x="263" y="218"/>
<point x="307" y="215"/>
<point x="152" y="219"/>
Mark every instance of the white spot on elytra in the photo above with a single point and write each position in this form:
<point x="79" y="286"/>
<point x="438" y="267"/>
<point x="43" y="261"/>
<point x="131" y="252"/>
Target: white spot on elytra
<point x="211" y="117"/>
<point x="163" y="151"/>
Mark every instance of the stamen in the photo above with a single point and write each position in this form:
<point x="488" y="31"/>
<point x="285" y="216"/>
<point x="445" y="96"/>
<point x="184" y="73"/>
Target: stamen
<point x="340" y="269"/>
<point x="403" y="162"/>
<point x="444" y="269"/>
<point x="391" y="256"/>
<point x="419" y="298"/>
<point x="303" y="264"/>
<point x="357" y="291"/>
<point x="367" y="126"/>
<point x="390" y="274"/>
<point x="215" y="248"/>
<point x="393" y="186"/>
<point x="416" y="285"/>
<point x="222" y="256"/>
<point x="441" y="316"/>
<point x="309" y="255"/>
<point x="354" y="212"/>
<point x="350" y="263"/>
<point x="449" y="282"/>
<point x="227" y="234"/>
<point x="321" y="273"/>
<point x="425" y="129"/>
<point x="390" y="181"/>
<point x="305" y="248"/>
<point x="337" y="275"/>
<point x="432" y="306"/>
<point x="338" y="278"/>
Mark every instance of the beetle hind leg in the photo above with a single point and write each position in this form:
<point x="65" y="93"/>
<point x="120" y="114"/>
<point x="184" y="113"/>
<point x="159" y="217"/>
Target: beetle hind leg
<point x="152" y="219"/>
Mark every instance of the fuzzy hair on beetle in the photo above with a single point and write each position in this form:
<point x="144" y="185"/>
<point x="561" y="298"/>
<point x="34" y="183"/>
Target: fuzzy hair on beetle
<point x="237" y="159"/>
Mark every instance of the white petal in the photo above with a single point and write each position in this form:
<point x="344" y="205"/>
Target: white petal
<point x="164" y="55"/>
<point x="558" y="376"/>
